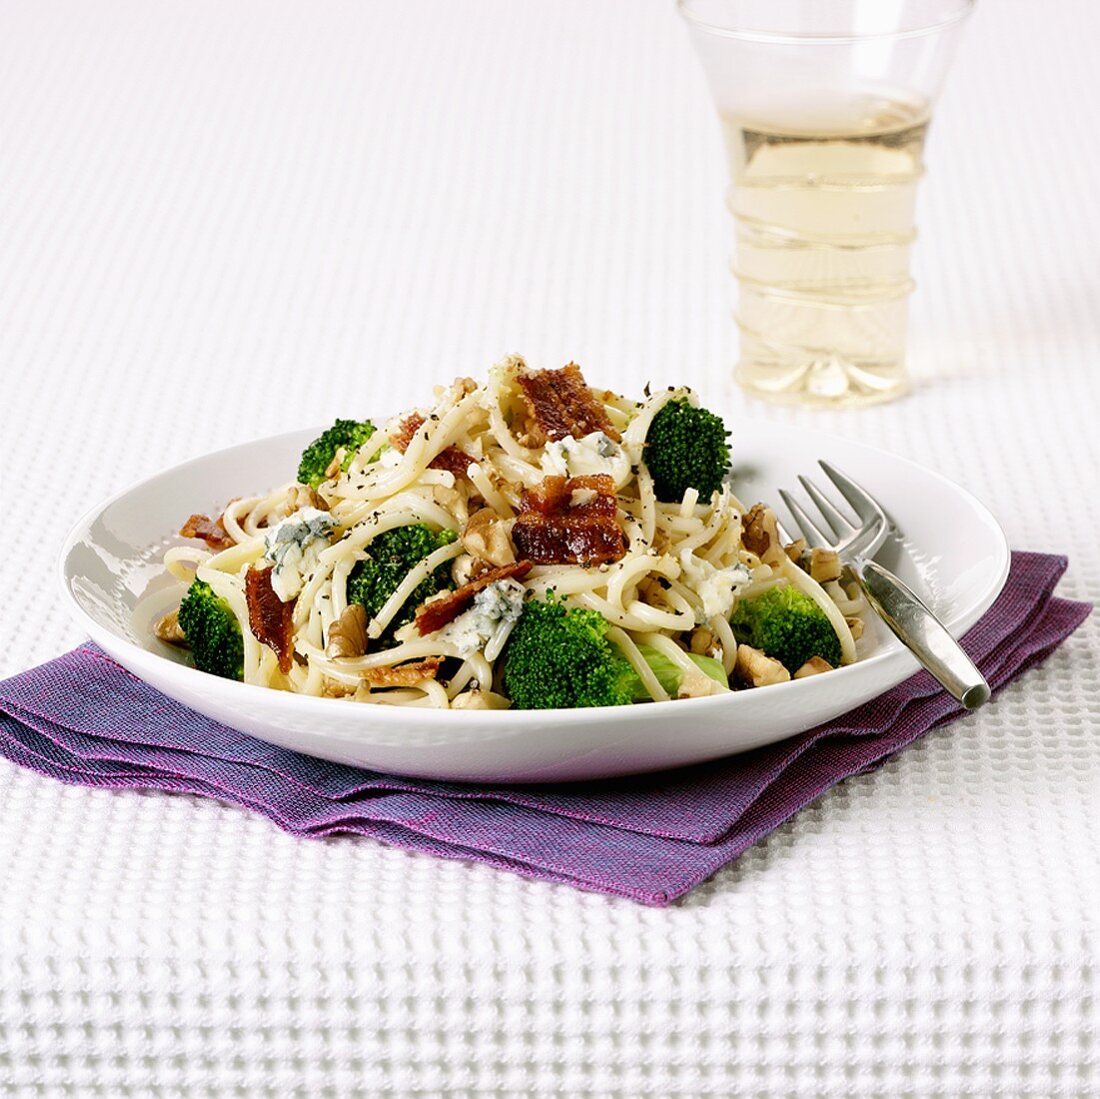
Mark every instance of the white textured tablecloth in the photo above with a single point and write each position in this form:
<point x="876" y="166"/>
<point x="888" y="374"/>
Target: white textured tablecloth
<point x="224" y="219"/>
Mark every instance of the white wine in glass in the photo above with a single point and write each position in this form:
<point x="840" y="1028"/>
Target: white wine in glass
<point x="824" y="105"/>
<point x="824" y="209"/>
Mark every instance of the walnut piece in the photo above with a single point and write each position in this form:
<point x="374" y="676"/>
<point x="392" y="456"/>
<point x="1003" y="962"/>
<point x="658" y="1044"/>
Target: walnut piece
<point x="855" y="624"/>
<point x="697" y="684"/>
<point x="702" y="641"/>
<point x="402" y="675"/>
<point x="814" y="666"/>
<point x="486" y="537"/>
<point x="449" y="498"/>
<point x="753" y="669"/>
<point x="347" y="636"/>
<point x="168" y="629"/>
<point x="824" y="565"/>
<point x="528" y="433"/>
<point x="334" y="688"/>
<point x="466" y="567"/>
<point x="794" y="550"/>
<point x="760" y="534"/>
<point x="302" y="496"/>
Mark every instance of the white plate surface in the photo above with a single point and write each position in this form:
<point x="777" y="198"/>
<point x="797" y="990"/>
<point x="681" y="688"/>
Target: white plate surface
<point x="948" y="547"/>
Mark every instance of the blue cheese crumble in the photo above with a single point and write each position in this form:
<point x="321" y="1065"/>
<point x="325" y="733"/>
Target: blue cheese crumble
<point x="293" y="546"/>
<point x="594" y="453"/>
<point x="497" y="606"/>
<point x="717" y="588"/>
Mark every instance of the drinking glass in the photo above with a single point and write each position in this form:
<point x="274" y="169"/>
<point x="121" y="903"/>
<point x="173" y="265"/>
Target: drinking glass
<point x="824" y="106"/>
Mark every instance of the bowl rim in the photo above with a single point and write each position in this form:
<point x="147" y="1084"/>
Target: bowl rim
<point x="306" y="704"/>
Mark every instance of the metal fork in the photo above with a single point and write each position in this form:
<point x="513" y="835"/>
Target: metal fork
<point x="900" y="608"/>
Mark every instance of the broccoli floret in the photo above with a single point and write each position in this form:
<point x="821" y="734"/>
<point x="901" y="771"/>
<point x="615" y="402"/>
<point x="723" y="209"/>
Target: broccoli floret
<point x="317" y="457"/>
<point x="561" y="658"/>
<point x="788" y="625"/>
<point x="389" y="558"/>
<point x="686" y="448"/>
<point x="212" y="631"/>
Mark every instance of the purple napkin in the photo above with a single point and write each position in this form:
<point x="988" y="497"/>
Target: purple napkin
<point x="85" y="720"/>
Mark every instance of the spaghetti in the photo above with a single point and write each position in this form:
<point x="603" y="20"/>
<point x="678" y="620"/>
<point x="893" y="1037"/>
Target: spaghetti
<point x="480" y="464"/>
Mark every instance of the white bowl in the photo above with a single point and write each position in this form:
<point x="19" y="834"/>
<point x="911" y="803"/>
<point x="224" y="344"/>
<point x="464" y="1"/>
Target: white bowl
<point x="948" y="547"/>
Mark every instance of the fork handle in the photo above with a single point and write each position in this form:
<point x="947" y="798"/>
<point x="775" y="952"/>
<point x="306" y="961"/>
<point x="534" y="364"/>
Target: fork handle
<point x="922" y="633"/>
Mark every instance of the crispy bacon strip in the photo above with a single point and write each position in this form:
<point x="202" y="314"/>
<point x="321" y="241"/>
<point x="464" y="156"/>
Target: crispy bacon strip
<point x="548" y="497"/>
<point x="269" y="618"/>
<point x="211" y="531"/>
<point x="438" y="612"/>
<point x="562" y="404"/>
<point x="402" y="675"/>
<point x="554" y="495"/>
<point x="451" y="459"/>
<point x="408" y="427"/>
<point x="552" y="530"/>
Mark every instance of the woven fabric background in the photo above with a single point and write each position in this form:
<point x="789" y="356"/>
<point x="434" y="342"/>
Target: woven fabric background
<point x="221" y="220"/>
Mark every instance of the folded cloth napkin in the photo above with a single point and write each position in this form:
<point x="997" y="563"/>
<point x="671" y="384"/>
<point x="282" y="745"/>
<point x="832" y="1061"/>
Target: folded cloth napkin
<point x="85" y="720"/>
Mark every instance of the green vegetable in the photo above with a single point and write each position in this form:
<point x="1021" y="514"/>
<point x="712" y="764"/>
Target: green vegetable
<point x="317" y="457"/>
<point x="788" y="625"/>
<point x="670" y="675"/>
<point x="389" y="558"/>
<point x="212" y="631"/>
<point x="561" y="658"/>
<point x="686" y="448"/>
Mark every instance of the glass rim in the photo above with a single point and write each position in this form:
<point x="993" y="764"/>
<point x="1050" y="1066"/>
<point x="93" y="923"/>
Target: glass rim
<point x="812" y="38"/>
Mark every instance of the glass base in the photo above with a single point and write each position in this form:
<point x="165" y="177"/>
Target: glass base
<point x="828" y="382"/>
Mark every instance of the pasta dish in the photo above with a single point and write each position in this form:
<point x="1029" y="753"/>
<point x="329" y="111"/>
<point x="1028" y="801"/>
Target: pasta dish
<point x="528" y="542"/>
